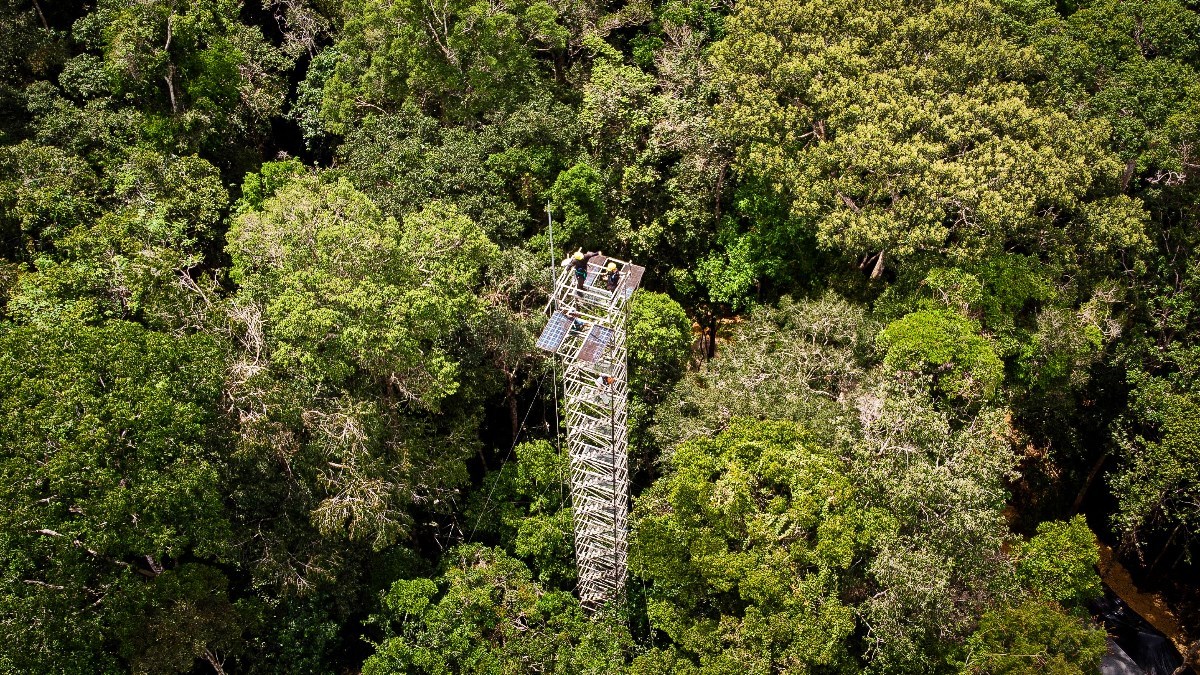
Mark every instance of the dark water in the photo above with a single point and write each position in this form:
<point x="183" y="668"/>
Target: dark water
<point x="1150" y="650"/>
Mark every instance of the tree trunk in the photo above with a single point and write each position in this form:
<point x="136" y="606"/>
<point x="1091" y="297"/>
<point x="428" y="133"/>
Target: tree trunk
<point x="212" y="661"/>
<point x="710" y="349"/>
<point x="510" y="394"/>
<point x="1166" y="546"/>
<point x="1087" y="484"/>
<point x="170" y="78"/>
<point x="41" y="16"/>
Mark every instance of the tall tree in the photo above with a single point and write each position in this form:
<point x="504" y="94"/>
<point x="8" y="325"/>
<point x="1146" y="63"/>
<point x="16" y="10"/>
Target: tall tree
<point x="456" y="59"/>
<point x="749" y="543"/>
<point x="909" y="128"/>
<point x="116" y="525"/>
<point x="349" y="323"/>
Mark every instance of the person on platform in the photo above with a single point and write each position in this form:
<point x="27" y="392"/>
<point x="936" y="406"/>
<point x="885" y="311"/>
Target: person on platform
<point x="579" y="261"/>
<point x="612" y="277"/>
<point x="605" y="389"/>
<point x="577" y="324"/>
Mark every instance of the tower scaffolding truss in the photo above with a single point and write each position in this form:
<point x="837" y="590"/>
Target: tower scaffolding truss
<point x="587" y="331"/>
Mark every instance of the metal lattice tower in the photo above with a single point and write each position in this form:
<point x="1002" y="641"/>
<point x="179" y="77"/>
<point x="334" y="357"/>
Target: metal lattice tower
<point x="587" y="330"/>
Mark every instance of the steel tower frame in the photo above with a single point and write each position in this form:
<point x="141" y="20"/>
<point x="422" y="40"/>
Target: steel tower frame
<point x="587" y="331"/>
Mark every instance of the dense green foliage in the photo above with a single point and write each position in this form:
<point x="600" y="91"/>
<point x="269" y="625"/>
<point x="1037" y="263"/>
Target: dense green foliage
<point x="490" y="617"/>
<point x="113" y="473"/>
<point x="918" y="328"/>
<point x="1057" y="563"/>
<point x="747" y="541"/>
<point x="1033" y="638"/>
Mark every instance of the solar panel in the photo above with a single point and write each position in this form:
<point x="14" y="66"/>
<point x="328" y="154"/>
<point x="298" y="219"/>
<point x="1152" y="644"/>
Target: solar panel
<point x="631" y="277"/>
<point x="555" y="332"/>
<point x="596" y="271"/>
<point x="594" y="345"/>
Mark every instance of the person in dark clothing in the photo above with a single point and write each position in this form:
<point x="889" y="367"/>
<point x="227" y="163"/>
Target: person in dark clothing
<point x="580" y="263"/>
<point x="576" y="322"/>
<point x="612" y="277"/>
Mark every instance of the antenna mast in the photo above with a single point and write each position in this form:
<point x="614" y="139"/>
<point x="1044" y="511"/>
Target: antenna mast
<point x="587" y="330"/>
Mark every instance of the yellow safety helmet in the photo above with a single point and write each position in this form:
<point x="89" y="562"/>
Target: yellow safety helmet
<point x="612" y="267"/>
<point x="579" y="255"/>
